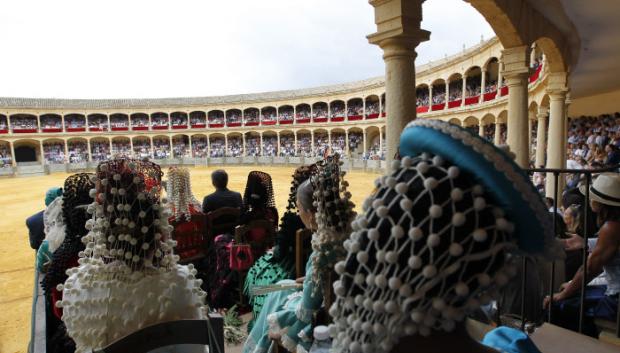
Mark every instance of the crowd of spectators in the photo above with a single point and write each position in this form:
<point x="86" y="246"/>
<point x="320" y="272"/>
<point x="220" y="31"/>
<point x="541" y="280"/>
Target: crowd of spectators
<point x="356" y="139"/>
<point x="373" y="108"/>
<point x="100" y="150"/>
<point x="216" y="119"/>
<point x="119" y="122"/>
<point x="490" y="86"/>
<point x="337" y="110"/>
<point x="159" y="120"/>
<point x="472" y="90"/>
<point x="355" y="109"/>
<point x="98" y="121"/>
<point x="198" y="120"/>
<point x="139" y="121"/>
<point x="54" y="152"/>
<point x="303" y="113"/>
<point x="270" y="144"/>
<point x="233" y="117"/>
<point x="179" y="120"/>
<point x="24" y="122"/>
<point x="321" y="142"/>
<point x="121" y="148"/>
<point x="217" y="146"/>
<point x="439" y="95"/>
<point x="180" y="147"/>
<point x="374" y="152"/>
<point x="456" y="94"/>
<point x="78" y="151"/>
<point x="5" y="155"/>
<point x="286" y="115"/>
<point x="161" y="148"/>
<point x="594" y="142"/>
<point x="304" y="145"/>
<point x="75" y="122"/>
<point x="287" y="146"/>
<point x="319" y="112"/>
<point x="200" y="147"/>
<point x="235" y="147"/>
<point x="252" y="146"/>
<point x="141" y="148"/>
<point x="269" y="116"/>
<point x="251" y="116"/>
<point x="339" y="144"/>
<point x="51" y="122"/>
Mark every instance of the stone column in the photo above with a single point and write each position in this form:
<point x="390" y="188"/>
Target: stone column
<point x="152" y="151"/>
<point x="225" y="144"/>
<point x="278" y="146"/>
<point x="497" y="139"/>
<point x="483" y="83"/>
<point x="13" y="159"/>
<point x="480" y="129"/>
<point x="398" y="34"/>
<point x="464" y="90"/>
<point x="189" y="139"/>
<point x="90" y="155"/>
<point x="556" y="146"/>
<point x="131" y="147"/>
<point x="312" y="151"/>
<point x="541" y="136"/>
<point x="66" y="144"/>
<point x="243" y="144"/>
<point x="111" y="146"/>
<point x="346" y="143"/>
<point x="365" y="143"/>
<point x="171" y="155"/>
<point x="295" y="145"/>
<point x="262" y="149"/>
<point x="208" y="146"/>
<point x="515" y="70"/>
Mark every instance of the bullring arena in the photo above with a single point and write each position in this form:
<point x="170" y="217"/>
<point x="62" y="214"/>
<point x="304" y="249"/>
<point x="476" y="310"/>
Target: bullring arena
<point x="511" y="89"/>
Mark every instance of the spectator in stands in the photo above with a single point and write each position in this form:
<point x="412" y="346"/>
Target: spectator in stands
<point x="325" y="210"/>
<point x="613" y="155"/>
<point x="604" y="256"/>
<point x="132" y="272"/>
<point x="36" y="230"/>
<point x="222" y="197"/>
<point x="278" y="264"/>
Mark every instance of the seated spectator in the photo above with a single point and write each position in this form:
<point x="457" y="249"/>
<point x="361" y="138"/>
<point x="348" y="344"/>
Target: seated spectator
<point x="132" y="276"/>
<point x="278" y="264"/>
<point x="322" y="208"/>
<point x="259" y="204"/>
<point x="222" y="197"/>
<point x="36" y="229"/>
<point x="604" y="256"/>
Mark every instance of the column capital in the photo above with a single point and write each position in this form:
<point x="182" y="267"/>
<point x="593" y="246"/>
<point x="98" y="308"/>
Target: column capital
<point x="542" y="113"/>
<point x="398" y="26"/>
<point x="556" y="86"/>
<point x="514" y="63"/>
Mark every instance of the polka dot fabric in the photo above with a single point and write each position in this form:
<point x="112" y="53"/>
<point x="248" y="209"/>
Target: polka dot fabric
<point x="429" y="249"/>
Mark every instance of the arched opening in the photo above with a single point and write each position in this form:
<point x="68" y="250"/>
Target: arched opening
<point x="217" y="145"/>
<point x="159" y="121"/>
<point x="77" y="149"/>
<point x="100" y="149"/>
<point x="473" y="85"/>
<point x="336" y="111"/>
<point x="285" y="114"/>
<point x="4" y="126"/>
<point x="455" y="121"/>
<point x="51" y="123"/>
<point x="455" y="90"/>
<point x="23" y="124"/>
<point x="97" y="122"/>
<point x="139" y="121"/>
<point x="233" y="118"/>
<point x="471" y="123"/>
<point x="180" y="146"/>
<point x="374" y="143"/>
<point x="502" y="118"/>
<point x="141" y="147"/>
<point x="75" y="123"/>
<point x="338" y="142"/>
<point x="121" y="147"/>
<point x="439" y="94"/>
<point x="488" y="121"/>
<point x="372" y="107"/>
<point x="304" y="143"/>
<point x="200" y="146"/>
<point x="6" y="157"/>
<point x="270" y="144"/>
<point x="54" y="151"/>
<point x="490" y="79"/>
<point x="356" y="139"/>
<point x="321" y="142"/>
<point x="198" y="119"/>
<point x="216" y="118"/>
<point x="161" y="147"/>
<point x="119" y="122"/>
<point x="235" y="145"/>
<point x="302" y="115"/>
<point x="287" y="144"/>
<point x="27" y="152"/>
<point x="319" y="112"/>
<point x="252" y="144"/>
<point x="251" y="117"/>
<point x="268" y="116"/>
<point x="355" y="109"/>
<point x="382" y="105"/>
<point x="421" y="102"/>
<point x="178" y="120"/>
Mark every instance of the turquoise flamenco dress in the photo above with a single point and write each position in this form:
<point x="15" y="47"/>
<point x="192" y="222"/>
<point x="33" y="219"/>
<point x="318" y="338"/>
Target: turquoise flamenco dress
<point x="290" y="313"/>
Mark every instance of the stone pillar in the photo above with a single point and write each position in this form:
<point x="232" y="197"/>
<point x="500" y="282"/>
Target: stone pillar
<point x="13" y="159"/>
<point x="295" y="145"/>
<point x="464" y="90"/>
<point x="556" y="146"/>
<point x="111" y="146"/>
<point x="262" y="149"/>
<point x="243" y="144"/>
<point x="90" y="155"/>
<point x="497" y="139"/>
<point x="189" y="139"/>
<point x="278" y="146"/>
<point x="381" y="143"/>
<point x="152" y="151"/>
<point x="515" y="70"/>
<point x="398" y="34"/>
<point x="312" y="151"/>
<point x="541" y="137"/>
<point x="346" y="143"/>
<point x="480" y="129"/>
<point x="483" y="83"/>
<point x="225" y="144"/>
<point x="131" y="146"/>
<point x="62" y="121"/>
<point x="66" y="144"/>
<point x="208" y="146"/>
<point x="329" y="139"/>
<point x="171" y="155"/>
<point x="365" y="144"/>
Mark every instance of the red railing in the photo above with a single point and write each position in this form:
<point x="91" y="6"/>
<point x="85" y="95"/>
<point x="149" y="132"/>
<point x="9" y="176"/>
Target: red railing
<point x="303" y="120"/>
<point x="140" y="128"/>
<point x="251" y="123"/>
<point x="178" y="127"/>
<point x="199" y="126"/>
<point x="24" y="131"/>
<point x="472" y="100"/>
<point x="160" y="127"/>
<point x="4" y="131"/>
<point x="216" y="125"/>
<point x="268" y="122"/>
<point x="503" y="91"/>
<point x="321" y="119"/>
<point x="337" y="119"/>
<point x="454" y="104"/>
<point x="422" y="109"/>
<point x="120" y="128"/>
<point x="536" y="74"/>
<point x="383" y="115"/>
<point x="354" y="117"/>
<point x="234" y="124"/>
<point x="286" y="122"/>
<point x="489" y="96"/>
<point x="372" y="116"/>
<point x="51" y="129"/>
<point x="440" y="106"/>
<point x="96" y="129"/>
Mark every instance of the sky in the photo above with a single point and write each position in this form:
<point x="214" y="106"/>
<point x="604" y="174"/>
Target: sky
<point x="186" y="48"/>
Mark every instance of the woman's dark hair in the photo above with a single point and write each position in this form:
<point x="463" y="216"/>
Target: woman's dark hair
<point x="304" y="196"/>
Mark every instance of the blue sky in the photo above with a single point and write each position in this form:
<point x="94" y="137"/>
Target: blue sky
<point x="161" y="48"/>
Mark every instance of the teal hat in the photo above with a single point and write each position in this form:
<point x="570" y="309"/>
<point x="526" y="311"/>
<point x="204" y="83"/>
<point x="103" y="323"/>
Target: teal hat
<point x="52" y="194"/>
<point x="509" y="340"/>
<point x="493" y="168"/>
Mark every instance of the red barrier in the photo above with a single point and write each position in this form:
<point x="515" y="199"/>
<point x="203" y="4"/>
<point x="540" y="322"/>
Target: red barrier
<point x="95" y="129"/>
<point x="354" y="117"/>
<point x="503" y="91"/>
<point x="52" y="129"/>
<point x="337" y="119"/>
<point x="269" y="122"/>
<point x="122" y="128"/>
<point x="440" y="106"/>
<point x="4" y="131"/>
<point x="454" y="104"/>
<point x="286" y="122"/>
<point x="179" y="127"/>
<point x="422" y="109"/>
<point x="372" y="116"/>
<point x="383" y="115"/>
<point x="140" y="128"/>
<point x="157" y="127"/>
<point x="216" y="125"/>
<point x="235" y="124"/>
<point x="472" y="100"/>
<point x="199" y="126"/>
<point x="24" y="131"/>
<point x="303" y="120"/>
<point x="321" y="119"/>
<point x="536" y="74"/>
<point x="489" y="96"/>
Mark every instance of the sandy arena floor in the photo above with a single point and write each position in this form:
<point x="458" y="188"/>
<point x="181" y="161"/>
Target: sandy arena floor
<point x="22" y="197"/>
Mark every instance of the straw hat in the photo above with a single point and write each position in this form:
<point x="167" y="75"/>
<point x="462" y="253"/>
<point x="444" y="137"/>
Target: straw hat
<point x="605" y="189"/>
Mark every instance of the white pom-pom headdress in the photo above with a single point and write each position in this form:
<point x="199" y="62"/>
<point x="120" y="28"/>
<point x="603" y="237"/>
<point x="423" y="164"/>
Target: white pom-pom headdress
<point x="179" y="192"/>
